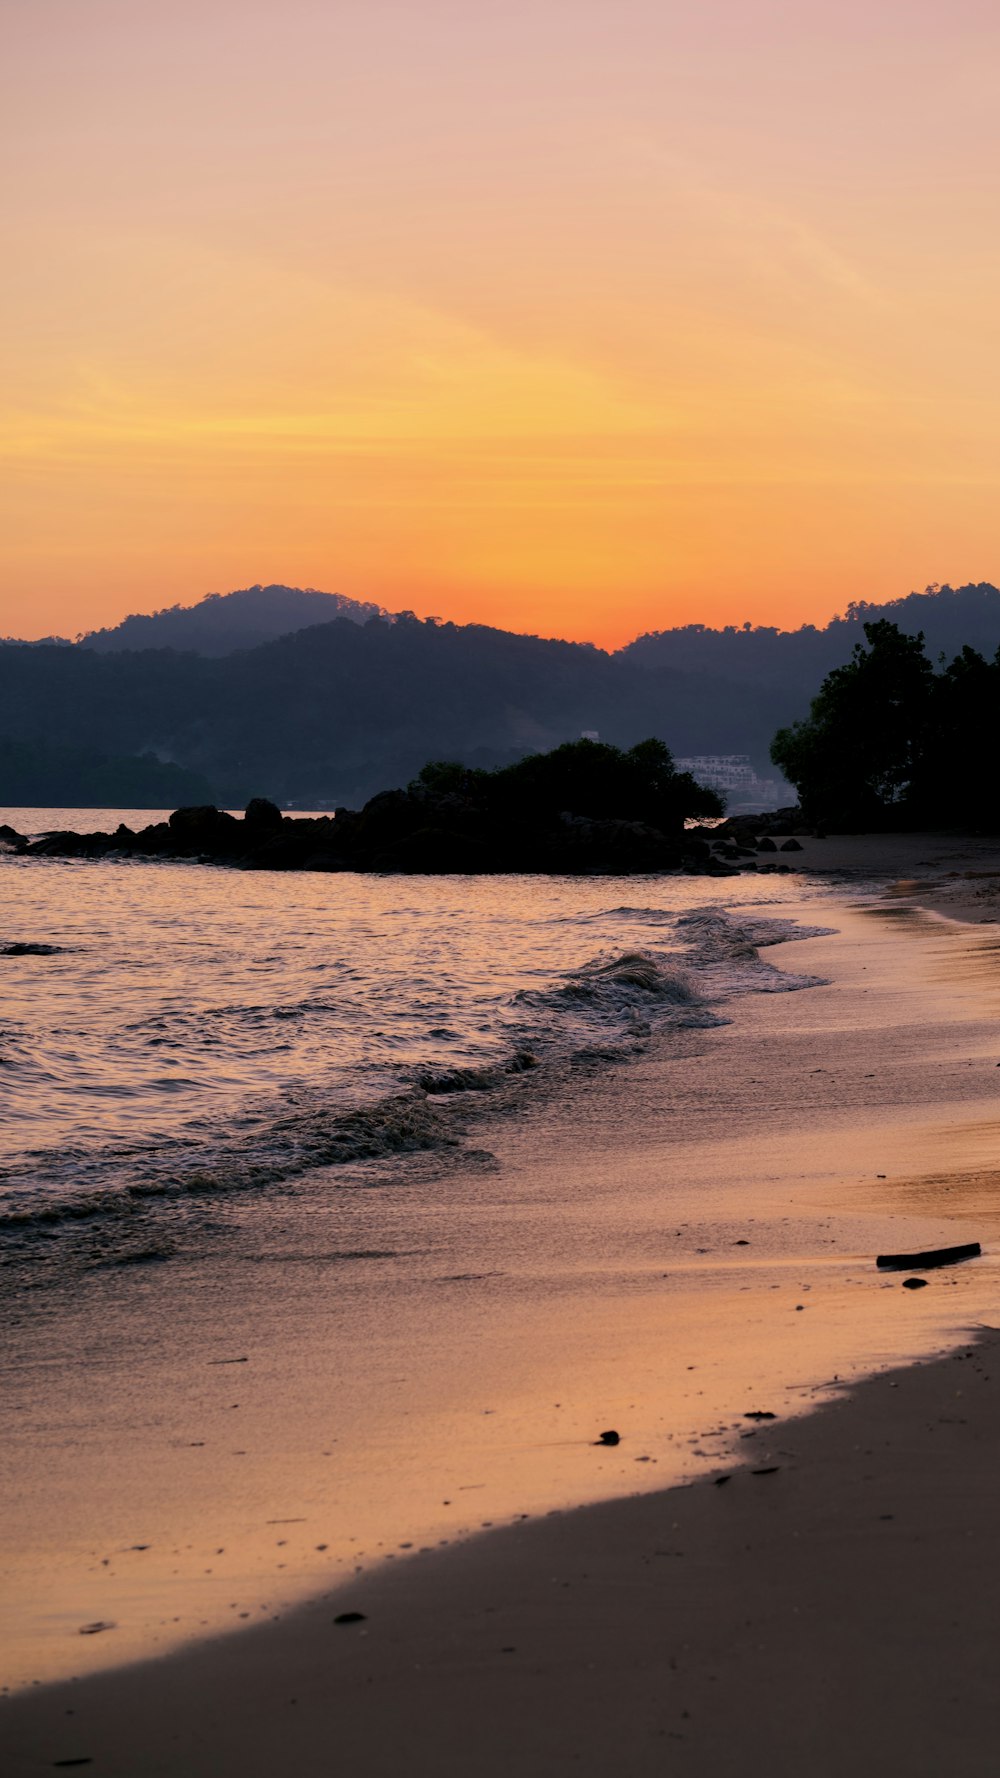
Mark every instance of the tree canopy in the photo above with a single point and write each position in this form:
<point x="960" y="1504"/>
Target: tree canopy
<point x="587" y="778"/>
<point x="890" y="742"/>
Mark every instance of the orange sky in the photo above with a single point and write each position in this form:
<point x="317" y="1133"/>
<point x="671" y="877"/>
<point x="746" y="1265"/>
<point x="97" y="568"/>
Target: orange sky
<point x="561" y="315"/>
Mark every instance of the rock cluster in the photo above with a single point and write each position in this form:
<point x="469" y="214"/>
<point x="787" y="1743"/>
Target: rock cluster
<point x="419" y="831"/>
<point x="741" y="842"/>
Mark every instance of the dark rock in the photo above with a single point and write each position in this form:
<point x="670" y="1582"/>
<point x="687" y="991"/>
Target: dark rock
<point x="262" y="814"/>
<point x="759" y="1414"/>
<point x="21" y="948"/>
<point x="914" y="1283"/>
<point x="56" y="845"/>
<point x="351" y="1617"/>
<point x="321" y="861"/>
<point x="790" y="846"/>
<point x="934" y="1256"/>
<point x="609" y="1438"/>
<point x="205" y="830"/>
<point x="446" y="825"/>
<point x="766" y="845"/>
<point x="579" y="846"/>
<point x="692" y="847"/>
<point x="432" y="851"/>
<point x="155" y="839"/>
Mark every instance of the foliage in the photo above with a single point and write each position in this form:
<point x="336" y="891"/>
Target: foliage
<point x="38" y="775"/>
<point x="588" y="778"/>
<point x="890" y="743"/>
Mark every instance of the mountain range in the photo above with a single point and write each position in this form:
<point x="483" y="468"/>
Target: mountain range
<point x="223" y="622"/>
<point x="309" y="697"/>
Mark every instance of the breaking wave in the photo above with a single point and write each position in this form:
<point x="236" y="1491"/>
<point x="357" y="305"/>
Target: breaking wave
<point x="271" y="1150"/>
<point x="133" y="1196"/>
<point x="726" y="952"/>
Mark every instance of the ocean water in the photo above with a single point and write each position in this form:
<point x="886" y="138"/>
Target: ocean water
<point x="173" y="1034"/>
<point x="339" y="1214"/>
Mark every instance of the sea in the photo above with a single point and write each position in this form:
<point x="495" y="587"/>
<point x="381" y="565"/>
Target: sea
<point x="175" y="1033"/>
<point x="341" y="1215"/>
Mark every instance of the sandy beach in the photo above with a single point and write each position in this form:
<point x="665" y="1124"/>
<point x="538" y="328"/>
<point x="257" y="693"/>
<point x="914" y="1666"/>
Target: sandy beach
<point x="828" y="1605"/>
<point x="954" y="874"/>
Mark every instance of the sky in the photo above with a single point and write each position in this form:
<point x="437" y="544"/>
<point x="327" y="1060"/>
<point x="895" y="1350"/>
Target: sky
<point x="583" y="317"/>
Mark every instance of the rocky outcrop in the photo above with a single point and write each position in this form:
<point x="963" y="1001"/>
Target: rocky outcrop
<point x="415" y="831"/>
<point x="741" y="839"/>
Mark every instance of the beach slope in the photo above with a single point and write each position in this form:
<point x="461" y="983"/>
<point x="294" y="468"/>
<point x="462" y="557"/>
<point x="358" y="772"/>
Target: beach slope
<point x="828" y="1607"/>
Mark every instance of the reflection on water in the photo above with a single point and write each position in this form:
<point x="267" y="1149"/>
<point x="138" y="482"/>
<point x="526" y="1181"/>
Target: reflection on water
<point x="178" y="1031"/>
<point x="400" y="1348"/>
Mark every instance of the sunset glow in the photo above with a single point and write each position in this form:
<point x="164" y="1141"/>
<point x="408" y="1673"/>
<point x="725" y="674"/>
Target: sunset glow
<point x="564" y="317"/>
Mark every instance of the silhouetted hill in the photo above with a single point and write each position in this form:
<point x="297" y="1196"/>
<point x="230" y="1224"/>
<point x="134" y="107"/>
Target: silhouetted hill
<point x="223" y="622"/>
<point x="793" y="662"/>
<point x="340" y="710"/>
<point x="36" y="774"/>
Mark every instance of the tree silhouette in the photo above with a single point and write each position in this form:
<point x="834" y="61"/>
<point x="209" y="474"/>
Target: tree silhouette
<point x="890" y="743"/>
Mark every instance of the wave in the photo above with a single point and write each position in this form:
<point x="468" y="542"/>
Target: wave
<point x="475" y="1080"/>
<point x="726" y="952"/>
<point x="634" y="916"/>
<point x="619" y="1001"/>
<point x="139" y="1202"/>
<point x="281" y="1148"/>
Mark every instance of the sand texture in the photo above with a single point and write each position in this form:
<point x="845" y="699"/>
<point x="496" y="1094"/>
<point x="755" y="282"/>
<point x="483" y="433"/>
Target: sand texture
<point x="831" y="1608"/>
<point x="955" y="874"/>
<point x="684" y="1241"/>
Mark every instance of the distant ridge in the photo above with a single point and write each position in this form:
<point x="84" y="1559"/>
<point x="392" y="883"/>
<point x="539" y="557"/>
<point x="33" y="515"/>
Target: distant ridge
<point x="790" y="664"/>
<point x="760" y="655"/>
<point x="221" y="623"/>
<point x="329" y="712"/>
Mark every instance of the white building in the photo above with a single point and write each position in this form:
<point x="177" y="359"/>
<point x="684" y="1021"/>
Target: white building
<point x="733" y="775"/>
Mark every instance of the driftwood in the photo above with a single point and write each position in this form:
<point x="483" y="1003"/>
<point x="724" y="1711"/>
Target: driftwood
<point x="935" y="1256"/>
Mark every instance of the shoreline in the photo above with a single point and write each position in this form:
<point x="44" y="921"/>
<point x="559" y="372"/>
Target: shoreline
<point x="225" y="1654"/>
<point x="830" y="1608"/>
<point x="947" y="873"/>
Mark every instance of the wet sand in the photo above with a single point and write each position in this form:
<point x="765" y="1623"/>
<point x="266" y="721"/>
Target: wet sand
<point x="820" y="1128"/>
<point x="955" y="874"/>
<point x="830" y="1606"/>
